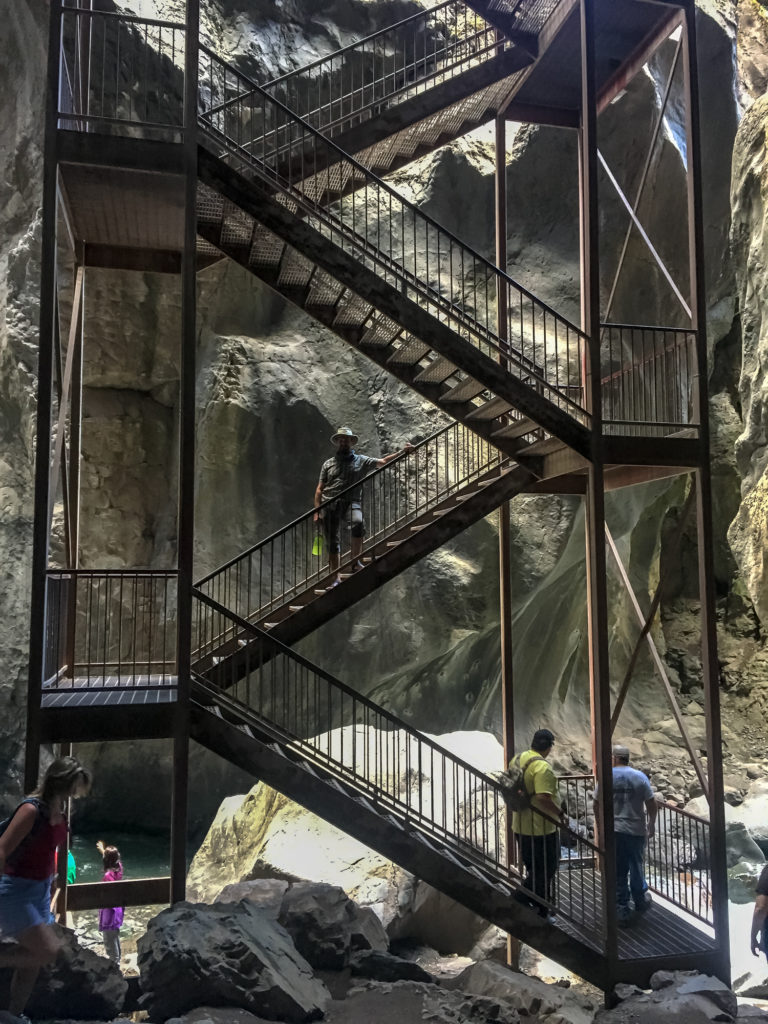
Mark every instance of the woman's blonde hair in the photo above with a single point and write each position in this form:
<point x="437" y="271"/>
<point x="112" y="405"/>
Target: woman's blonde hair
<point x="64" y="777"/>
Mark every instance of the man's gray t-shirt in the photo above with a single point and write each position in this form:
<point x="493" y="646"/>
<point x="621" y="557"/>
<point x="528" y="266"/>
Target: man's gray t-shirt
<point x="631" y="789"/>
<point x="336" y="474"/>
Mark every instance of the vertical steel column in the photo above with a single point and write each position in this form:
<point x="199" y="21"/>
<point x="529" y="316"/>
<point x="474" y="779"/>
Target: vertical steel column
<point x="186" y="463"/>
<point x="505" y="546"/>
<point x="75" y="436"/>
<point x="718" y="866"/>
<point x="40" y="534"/>
<point x="502" y="329"/>
<point x="600" y="693"/>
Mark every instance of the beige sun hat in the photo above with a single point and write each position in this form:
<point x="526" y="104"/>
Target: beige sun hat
<point x="344" y="432"/>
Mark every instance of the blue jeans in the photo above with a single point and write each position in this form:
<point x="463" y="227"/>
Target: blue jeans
<point x="629" y="865"/>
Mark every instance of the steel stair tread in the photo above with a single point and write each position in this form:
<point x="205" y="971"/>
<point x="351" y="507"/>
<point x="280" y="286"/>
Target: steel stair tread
<point x="517" y="428"/>
<point x="409" y="353"/>
<point x="439" y="370"/>
<point x="491" y="410"/>
<point x="464" y="391"/>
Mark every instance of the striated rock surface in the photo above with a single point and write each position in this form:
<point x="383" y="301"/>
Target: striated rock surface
<point x="230" y="954"/>
<point x="80" y="985"/>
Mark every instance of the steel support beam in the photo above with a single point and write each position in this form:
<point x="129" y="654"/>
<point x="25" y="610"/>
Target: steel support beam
<point x="709" y="663"/>
<point x="505" y="545"/>
<point x="40" y="536"/>
<point x="597" y="602"/>
<point x="637" y="60"/>
<point x="186" y="494"/>
<point x="643" y="178"/>
<point x="645" y="622"/>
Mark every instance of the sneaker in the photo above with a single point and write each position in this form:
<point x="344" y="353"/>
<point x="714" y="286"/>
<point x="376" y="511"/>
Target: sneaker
<point x="623" y="917"/>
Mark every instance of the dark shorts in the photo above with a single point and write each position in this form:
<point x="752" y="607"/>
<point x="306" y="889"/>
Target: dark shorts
<point x="334" y="516"/>
<point x="24" y="903"/>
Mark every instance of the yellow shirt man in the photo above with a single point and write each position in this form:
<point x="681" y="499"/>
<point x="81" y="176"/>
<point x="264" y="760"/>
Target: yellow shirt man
<point x="539" y="779"/>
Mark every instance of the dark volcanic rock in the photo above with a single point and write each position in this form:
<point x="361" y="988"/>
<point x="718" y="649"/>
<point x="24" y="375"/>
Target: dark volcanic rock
<point x="229" y="954"/>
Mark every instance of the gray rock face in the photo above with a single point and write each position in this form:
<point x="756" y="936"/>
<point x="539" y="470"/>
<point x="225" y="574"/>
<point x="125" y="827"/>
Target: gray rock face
<point x="321" y="920"/>
<point x="386" y="967"/>
<point x="676" y="996"/>
<point x="230" y="954"/>
<point x="81" y="985"/>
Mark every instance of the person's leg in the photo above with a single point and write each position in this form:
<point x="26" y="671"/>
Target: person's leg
<point x="526" y="855"/>
<point x="357" y="531"/>
<point x="622" y="871"/>
<point x="636" y="877"/>
<point x="552" y="863"/>
<point x="541" y="867"/>
<point x="111" y="939"/>
<point x="331" y="525"/>
<point x="37" y="946"/>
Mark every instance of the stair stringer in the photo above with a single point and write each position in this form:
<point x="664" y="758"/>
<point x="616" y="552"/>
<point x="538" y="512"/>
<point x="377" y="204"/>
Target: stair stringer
<point x="255" y="201"/>
<point x="453" y="872"/>
<point x="234" y="659"/>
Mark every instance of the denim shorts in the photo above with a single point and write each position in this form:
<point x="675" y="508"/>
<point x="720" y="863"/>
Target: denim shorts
<point x="24" y="903"/>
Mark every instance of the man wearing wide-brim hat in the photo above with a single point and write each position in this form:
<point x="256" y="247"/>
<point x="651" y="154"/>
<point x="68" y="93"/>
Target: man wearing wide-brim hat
<point x="345" y="469"/>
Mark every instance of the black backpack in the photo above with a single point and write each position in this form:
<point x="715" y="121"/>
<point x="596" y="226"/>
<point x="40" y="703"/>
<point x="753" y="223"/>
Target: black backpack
<point x="40" y="818"/>
<point x="512" y="782"/>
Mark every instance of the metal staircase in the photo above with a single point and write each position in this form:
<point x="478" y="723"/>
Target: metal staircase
<point x="396" y="95"/>
<point x="412" y="506"/>
<point x="426" y="311"/>
<point x="399" y="792"/>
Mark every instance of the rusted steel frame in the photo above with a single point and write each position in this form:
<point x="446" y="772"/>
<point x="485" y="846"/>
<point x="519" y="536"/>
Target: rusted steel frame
<point x="186" y="450"/>
<point x="84" y="56"/>
<point x="597" y="599"/>
<point x="637" y="59"/>
<point x="545" y="39"/>
<point x="643" y="176"/>
<point x="75" y="333"/>
<point x="72" y="483"/>
<point x="64" y="464"/>
<point x="130" y="892"/>
<point x="644" y="235"/>
<point x="710" y="671"/>
<point x="505" y="545"/>
<point x="645" y="634"/>
<point x="41" y="529"/>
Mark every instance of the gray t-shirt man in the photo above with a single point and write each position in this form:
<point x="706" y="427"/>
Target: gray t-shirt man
<point x="631" y="791"/>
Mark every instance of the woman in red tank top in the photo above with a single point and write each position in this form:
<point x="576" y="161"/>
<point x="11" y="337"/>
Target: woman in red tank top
<point x="27" y="864"/>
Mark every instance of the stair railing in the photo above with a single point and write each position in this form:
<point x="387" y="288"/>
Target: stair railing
<point x="110" y="629"/>
<point x="402" y="771"/>
<point x="348" y="86"/>
<point x="294" y="558"/>
<point x="676" y="859"/>
<point x="648" y="379"/>
<point x="384" y="232"/>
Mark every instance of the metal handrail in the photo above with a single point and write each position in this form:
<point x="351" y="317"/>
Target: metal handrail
<point x="345" y="494"/>
<point x="663" y="849"/>
<point x="308" y="186"/>
<point x="306" y="705"/>
<point x="380" y="35"/>
<point x="264" y="576"/>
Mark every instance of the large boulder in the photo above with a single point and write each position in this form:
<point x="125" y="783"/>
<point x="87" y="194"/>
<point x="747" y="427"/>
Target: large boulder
<point x="265" y="835"/>
<point x="529" y="996"/>
<point x="230" y="954"/>
<point x="685" y="997"/>
<point x="79" y="984"/>
<point x="322" y="920"/>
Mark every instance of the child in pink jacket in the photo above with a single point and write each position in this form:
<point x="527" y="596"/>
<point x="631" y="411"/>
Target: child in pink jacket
<point x="111" y="919"/>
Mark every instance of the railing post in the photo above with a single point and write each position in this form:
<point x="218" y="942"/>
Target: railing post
<point x="186" y="495"/>
<point x="595" y="498"/>
<point x="41" y="526"/>
<point x="710" y="674"/>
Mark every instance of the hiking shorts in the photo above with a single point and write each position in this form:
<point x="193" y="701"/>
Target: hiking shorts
<point x="24" y="903"/>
